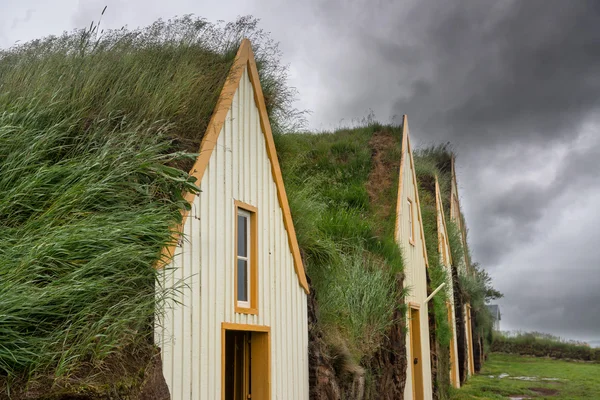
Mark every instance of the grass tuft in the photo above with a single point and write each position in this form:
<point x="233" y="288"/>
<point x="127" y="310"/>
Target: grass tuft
<point x="347" y="243"/>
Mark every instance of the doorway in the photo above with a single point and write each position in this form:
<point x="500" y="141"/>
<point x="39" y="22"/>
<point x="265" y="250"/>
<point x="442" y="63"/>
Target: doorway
<point x="417" y="355"/>
<point x="246" y="362"/>
<point x="470" y="340"/>
<point x="453" y="372"/>
<point x="237" y="365"/>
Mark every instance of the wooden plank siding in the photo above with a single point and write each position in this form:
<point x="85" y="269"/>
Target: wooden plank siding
<point x="415" y="262"/>
<point x="189" y="332"/>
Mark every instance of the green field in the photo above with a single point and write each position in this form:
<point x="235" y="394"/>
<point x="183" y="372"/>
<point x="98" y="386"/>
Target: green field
<point x="548" y="379"/>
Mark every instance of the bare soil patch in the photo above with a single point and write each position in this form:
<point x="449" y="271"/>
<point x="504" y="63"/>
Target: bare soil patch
<point x="384" y="172"/>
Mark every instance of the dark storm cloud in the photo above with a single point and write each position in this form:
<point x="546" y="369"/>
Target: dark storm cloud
<point x="516" y="75"/>
<point x="526" y="71"/>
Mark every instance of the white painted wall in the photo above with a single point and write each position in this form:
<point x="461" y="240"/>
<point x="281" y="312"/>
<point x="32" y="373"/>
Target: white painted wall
<point x="190" y="336"/>
<point x="415" y="271"/>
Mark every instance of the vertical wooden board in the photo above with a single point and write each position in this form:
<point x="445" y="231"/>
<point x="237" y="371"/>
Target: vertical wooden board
<point x="245" y="132"/>
<point x="415" y="346"/>
<point x="260" y="365"/>
<point x="197" y="299"/>
<point x="186" y="310"/>
<point x="205" y="292"/>
<point x="264" y="261"/>
<point x="229" y="226"/>
<point x="178" y="339"/>
<point x="253" y="154"/>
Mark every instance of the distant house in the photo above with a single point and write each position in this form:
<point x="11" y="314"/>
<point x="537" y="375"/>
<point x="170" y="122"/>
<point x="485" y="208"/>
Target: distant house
<point x="464" y="267"/>
<point x="496" y="316"/>
<point x="410" y="237"/>
<point x="237" y="327"/>
<point x="446" y="256"/>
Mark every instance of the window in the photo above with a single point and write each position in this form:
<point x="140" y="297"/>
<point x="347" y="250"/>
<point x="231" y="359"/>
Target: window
<point x="411" y="224"/>
<point x="245" y="259"/>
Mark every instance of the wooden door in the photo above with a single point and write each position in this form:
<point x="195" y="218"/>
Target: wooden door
<point x="237" y="365"/>
<point x="416" y="353"/>
<point x="470" y="340"/>
<point x="246" y="362"/>
<point x="453" y="372"/>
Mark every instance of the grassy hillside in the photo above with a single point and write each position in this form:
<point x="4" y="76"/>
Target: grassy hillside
<point x="342" y="188"/>
<point x="532" y="377"/>
<point x="543" y="345"/>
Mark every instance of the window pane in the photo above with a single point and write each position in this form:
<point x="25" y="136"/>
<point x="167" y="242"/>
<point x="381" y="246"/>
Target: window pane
<point x="242" y="280"/>
<point x="242" y="235"/>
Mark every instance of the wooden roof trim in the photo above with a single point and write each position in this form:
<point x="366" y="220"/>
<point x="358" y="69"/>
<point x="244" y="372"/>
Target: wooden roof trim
<point x="244" y="58"/>
<point x="406" y="149"/>
<point x="400" y="183"/>
<point x="275" y="168"/>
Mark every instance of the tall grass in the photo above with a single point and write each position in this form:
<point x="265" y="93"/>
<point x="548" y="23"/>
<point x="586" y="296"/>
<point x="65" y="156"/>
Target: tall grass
<point x="97" y="132"/>
<point x="84" y="216"/>
<point x="349" y="250"/>
<point x="358" y="301"/>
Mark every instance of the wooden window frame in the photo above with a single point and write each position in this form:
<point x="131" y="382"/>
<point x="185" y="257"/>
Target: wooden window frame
<point x="411" y="221"/>
<point x="252" y="307"/>
<point x="260" y="382"/>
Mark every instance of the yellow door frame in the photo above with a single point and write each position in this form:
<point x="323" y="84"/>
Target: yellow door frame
<point x="260" y="363"/>
<point x="416" y="351"/>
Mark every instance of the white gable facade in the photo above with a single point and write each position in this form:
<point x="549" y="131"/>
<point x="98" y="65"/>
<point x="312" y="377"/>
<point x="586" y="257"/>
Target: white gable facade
<point x="193" y="332"/>
<point x="410" y="237"/>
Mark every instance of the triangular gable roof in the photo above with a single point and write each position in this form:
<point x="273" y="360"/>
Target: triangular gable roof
<point x="406" y="149"/>
<point x="244" y="58"/>
<point x="440" y="210"/>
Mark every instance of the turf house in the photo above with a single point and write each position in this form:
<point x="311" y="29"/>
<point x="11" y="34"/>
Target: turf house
<point x="123" y="275"/>
<point x="463" y="268"/>
<point x="444" y="362"/>
<point x="246" y="288"/>
<point x="343" y="192"/>
<point x="446" y="256"/>
<point x="472" y="285"/>
<point x="410" y="236"/>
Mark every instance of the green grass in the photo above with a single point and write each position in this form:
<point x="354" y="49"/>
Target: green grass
<point x="346" y="235"/>
<point x="577" y="380"/>
<point x="543" y="345"/>
<point x="97" y="133"/>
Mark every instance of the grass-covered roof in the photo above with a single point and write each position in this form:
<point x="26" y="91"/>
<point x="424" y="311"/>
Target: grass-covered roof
<point x="342" y="187"/>
<point x="97" y="132"/>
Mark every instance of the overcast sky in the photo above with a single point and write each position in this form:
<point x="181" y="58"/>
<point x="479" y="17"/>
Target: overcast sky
<point x="514" y="85"/>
